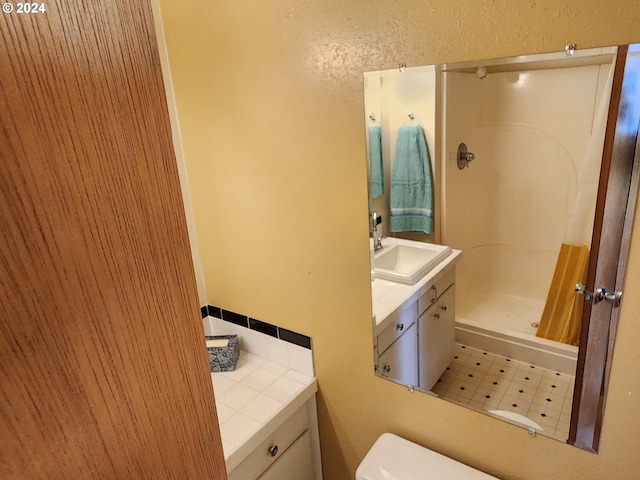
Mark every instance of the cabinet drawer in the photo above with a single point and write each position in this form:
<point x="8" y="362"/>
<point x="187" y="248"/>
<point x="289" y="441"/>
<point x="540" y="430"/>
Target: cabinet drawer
<point x="295" y="464"/>
<point x="265" y="455"/>
<point x="437" y="289"/>
<point x="397" y="328"/>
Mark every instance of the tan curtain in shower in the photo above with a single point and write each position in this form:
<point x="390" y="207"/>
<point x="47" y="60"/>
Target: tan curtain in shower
<point x="562" y="314"/>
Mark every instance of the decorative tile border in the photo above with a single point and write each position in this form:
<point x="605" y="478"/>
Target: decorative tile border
<point x="295" y="338"/>
<point x="263" y="327"/>
<point x="257" y="325"/>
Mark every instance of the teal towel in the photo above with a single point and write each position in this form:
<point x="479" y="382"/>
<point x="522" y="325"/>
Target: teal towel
<point x="411" y="194"/>
<point x="375" y="162"/>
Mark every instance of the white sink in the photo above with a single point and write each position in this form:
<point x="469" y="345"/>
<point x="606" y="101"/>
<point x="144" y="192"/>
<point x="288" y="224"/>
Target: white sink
<point x="407" y="261"/>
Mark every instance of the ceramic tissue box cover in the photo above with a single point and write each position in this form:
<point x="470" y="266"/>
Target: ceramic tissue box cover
<point x="224" y="359"/>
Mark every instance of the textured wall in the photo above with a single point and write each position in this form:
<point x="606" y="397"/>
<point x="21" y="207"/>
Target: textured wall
<point x="270" y="100"/>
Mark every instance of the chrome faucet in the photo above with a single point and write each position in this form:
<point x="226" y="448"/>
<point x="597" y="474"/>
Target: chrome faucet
<point x="377" y="240"/>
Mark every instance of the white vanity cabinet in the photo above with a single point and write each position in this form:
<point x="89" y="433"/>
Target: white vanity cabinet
<point x="415" y="341"/>
<point x="436" y="331"/>
<point x="287" y="454"/>
<point x="294" y="464"/>
<point x="398" y="349"/>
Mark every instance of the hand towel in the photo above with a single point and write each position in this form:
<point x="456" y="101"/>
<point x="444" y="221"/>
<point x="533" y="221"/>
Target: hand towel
<point x="375" y="161"/>
<point x="411" y="193"/>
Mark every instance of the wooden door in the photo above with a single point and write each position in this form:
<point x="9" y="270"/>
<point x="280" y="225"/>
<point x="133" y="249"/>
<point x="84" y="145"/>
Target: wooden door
<point x="615" y="212"/>
<point x="103" y="371"/>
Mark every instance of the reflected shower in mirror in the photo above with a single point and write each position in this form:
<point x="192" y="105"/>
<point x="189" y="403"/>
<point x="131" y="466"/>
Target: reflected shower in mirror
<point x="496" y="325"/>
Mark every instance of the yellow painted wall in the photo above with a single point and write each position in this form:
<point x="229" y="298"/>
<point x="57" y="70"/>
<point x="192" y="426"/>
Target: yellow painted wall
<point x="270" y="103"/>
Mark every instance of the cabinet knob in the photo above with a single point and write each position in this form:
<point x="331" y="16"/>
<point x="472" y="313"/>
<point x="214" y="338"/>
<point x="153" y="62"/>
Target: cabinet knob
<point x="273" y="450"/>
<point x="400" y="326"/>
<point x="443" y="308"/>
<point x="386" y="368"/>
<point x="436" y="316"/>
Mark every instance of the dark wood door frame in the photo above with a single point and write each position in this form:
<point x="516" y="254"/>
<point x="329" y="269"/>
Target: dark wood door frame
<point x="615" y="210"/>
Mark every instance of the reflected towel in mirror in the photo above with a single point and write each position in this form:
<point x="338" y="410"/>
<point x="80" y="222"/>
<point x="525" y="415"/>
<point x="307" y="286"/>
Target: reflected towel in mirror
<point x="375" y="161"/>
<point x="411" y="193"/>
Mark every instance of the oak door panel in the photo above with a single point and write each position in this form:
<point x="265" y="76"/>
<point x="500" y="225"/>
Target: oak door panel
<point x="103" y="371"/>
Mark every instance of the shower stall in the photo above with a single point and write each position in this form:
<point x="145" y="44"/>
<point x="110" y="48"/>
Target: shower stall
<point x="532" y="124"/>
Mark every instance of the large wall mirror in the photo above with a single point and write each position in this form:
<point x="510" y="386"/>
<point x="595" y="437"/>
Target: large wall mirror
<point x="500" y="193"/>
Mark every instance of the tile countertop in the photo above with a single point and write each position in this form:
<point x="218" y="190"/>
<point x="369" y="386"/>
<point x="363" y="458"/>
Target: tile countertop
<point x="391" y="298"/>
<point x="254" y="400"/>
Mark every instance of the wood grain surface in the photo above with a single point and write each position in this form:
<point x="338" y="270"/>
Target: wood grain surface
<point x="103" y="370"/>
<point x="615" y="210"/>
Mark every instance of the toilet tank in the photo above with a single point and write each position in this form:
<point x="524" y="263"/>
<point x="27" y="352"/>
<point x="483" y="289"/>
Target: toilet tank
<point x="394" y="458"/>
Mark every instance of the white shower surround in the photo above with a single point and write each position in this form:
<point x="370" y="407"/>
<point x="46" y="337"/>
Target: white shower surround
<point x="507" y="211"/>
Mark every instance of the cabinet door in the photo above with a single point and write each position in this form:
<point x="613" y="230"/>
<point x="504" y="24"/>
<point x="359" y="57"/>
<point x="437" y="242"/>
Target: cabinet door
<point x="436" y="338"/>
<point x="400" y="361"/>
<point x="294" y="464"/>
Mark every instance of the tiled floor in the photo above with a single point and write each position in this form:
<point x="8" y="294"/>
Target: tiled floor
<point x="488" y="382"/>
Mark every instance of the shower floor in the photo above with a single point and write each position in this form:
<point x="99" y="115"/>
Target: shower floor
<point x="484" y="382"/>
<point x="504" y="313"/>
<point x="506" y="325"/>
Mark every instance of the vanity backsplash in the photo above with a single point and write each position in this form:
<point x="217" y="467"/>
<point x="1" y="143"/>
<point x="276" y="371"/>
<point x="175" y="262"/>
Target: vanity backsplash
<point x="266" y="340"/>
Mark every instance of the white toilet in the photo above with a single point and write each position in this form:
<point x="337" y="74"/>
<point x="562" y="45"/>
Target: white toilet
<point x="394" y="458"/>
